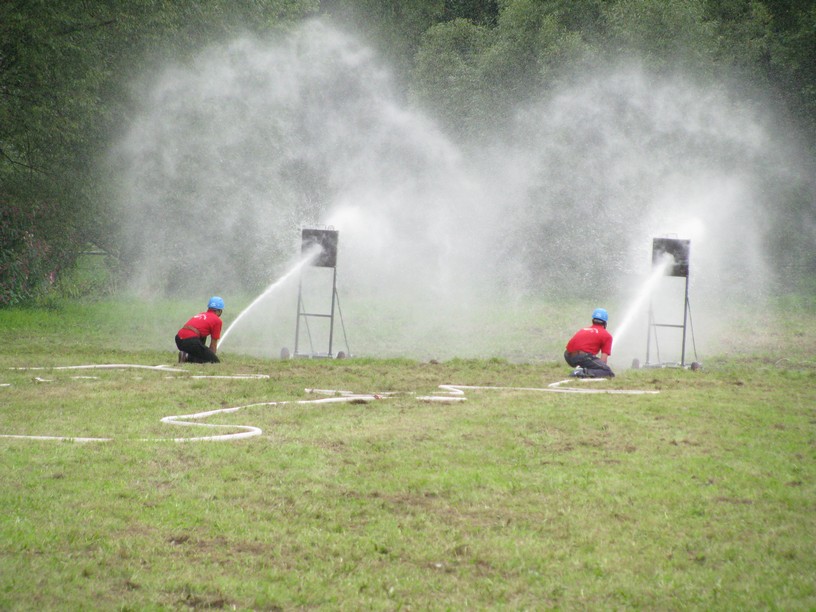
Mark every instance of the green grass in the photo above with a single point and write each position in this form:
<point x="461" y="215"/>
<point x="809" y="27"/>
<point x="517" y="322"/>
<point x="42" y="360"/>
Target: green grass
<point x="699" y="497"/>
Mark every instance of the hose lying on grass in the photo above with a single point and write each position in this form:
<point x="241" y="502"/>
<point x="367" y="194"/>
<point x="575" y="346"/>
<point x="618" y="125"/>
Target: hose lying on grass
<point x="452" y="393"/>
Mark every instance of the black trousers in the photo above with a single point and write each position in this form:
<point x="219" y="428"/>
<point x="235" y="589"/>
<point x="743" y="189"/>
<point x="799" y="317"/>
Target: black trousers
<point x="197" y="351"/>
<point x="595" y="368"/>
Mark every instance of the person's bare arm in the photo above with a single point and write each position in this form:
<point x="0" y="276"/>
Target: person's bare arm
<point x="604" y="357"/>
<point x="214" y="345"/>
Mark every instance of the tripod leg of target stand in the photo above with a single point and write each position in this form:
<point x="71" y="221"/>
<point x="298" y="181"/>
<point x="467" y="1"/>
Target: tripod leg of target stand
<point x="331" y="319"/>
<point x="299" y="314"/>
<point x="342" y="323"/>
<point x="685" y="321"/>
<point x="649" y="334"/>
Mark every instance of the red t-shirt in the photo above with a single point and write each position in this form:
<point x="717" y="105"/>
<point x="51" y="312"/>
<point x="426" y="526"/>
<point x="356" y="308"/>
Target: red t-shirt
<point x="591" y="340"/>
<point x="207" y="323"/>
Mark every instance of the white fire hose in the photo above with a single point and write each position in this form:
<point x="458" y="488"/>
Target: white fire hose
<point x="452" y="393"/>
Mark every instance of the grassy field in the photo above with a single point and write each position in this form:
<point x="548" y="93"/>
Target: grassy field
<point x="701" y="496"/>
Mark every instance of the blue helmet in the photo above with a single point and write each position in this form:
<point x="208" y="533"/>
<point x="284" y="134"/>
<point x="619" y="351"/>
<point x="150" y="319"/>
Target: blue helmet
<point x="215" y="303"/>
<point x="600" y="314"/>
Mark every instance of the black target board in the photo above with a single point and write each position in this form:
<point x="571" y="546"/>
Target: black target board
<point x="678" y="249"/>
<point x="327" y="240"/>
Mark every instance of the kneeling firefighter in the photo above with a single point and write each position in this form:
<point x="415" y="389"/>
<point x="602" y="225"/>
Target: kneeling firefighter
<point x="191" y="339"/>
<point x="584" y="347"/>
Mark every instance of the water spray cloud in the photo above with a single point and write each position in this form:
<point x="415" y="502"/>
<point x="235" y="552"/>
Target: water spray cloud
<point x="262" y="137"/>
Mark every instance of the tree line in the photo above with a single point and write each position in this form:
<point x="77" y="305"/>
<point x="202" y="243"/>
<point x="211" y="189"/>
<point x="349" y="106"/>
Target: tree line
<point x="70" y="72"/>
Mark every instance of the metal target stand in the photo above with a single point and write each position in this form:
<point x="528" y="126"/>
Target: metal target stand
<point x="679" y="251"/>
<point x="326" y="240"/>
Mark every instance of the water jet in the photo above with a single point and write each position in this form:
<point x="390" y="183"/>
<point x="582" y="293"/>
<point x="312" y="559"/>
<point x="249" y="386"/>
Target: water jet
<point x="308" y="256"/>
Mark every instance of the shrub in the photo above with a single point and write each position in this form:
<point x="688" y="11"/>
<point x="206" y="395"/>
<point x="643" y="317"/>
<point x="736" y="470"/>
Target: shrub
<point x="29" y="260"/>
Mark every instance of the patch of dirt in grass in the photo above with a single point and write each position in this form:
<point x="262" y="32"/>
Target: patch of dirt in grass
<point x="221" y="545"/>
<point x="197" y="602"/>
<point x="734" y="500"/>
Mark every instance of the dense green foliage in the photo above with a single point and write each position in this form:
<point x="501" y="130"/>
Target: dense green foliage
<point x="69" y="72"/>
<point x="65" y="73"/>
